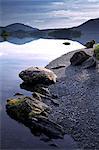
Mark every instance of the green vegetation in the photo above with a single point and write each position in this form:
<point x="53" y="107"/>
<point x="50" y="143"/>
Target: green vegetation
<point x="4" y="35"/>
<point x="14" y="102"/>
<point x="96" y="51"/>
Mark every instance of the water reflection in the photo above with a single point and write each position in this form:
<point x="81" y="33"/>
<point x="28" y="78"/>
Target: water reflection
<point x="13" y="59"/>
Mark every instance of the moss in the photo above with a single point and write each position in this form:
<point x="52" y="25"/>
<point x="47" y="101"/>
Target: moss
<point x="96" y="51"/>
<point x="18" y="108"/>
<point x="14" y="102"/>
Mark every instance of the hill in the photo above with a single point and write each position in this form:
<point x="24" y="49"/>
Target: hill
<point x="82" y="33"/>
<point x="19" y="33"/>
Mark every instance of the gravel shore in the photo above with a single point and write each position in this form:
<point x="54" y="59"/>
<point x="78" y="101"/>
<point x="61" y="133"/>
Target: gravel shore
<point x="78" y="96"/>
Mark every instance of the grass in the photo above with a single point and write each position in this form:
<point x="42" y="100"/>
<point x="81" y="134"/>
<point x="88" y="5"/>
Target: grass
<point x="96" y="51"/>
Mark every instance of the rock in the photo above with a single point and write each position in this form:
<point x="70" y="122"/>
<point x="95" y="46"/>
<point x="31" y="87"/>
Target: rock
<point x="37" y="96"/>
<point x="48" y="127"/>
<point x="66" y="43"/>
<point x="91" y="62"/>
<point x="58" y="67"/>
<point x="39" y="88"/>
<point x="42" y="90"/>
<point x="38" y="75"/>
<point x="90" y="44"/>
<point x="55" y="102"/>
<point x="78" y="58"/>
<point x="18" y="94"/>
<point x="22" y="107"/>
<point x="34" y="114"/>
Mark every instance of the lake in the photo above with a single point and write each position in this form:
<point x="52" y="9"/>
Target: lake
<point x="13" y="59"/>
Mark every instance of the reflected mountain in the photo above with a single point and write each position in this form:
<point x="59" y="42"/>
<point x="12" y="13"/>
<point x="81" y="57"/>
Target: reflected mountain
<point x="82" y="33"/>
<point x="20" y="34"/>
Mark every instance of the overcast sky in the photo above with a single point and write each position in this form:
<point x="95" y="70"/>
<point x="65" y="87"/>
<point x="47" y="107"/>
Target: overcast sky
<point x="48" y="13"/>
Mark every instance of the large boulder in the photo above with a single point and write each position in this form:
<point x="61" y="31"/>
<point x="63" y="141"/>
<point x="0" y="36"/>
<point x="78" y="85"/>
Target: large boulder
<point x="78" y="58"/>
<point x="38" y="75"/>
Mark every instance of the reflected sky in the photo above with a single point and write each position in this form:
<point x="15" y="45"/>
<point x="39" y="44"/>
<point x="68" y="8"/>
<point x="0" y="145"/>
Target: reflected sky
<point x="48" y="13"/>
<point x="37" y="50"/>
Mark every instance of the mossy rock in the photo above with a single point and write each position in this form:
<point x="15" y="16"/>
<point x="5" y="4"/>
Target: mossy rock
<point x="96" y="51"/>
<point x="24" y="107"/>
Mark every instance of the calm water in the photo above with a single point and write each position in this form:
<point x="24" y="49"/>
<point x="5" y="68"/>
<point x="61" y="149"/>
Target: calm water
<point x="13" y="59"/>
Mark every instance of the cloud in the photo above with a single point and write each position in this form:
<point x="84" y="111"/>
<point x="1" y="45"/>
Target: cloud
<point x="49" y="14"/>
<point x="93" y="1"/>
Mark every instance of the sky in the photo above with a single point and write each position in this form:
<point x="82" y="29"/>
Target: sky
<point x="44" y="14"/>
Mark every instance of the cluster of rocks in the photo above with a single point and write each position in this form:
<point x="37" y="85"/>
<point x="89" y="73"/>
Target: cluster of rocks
<point x="90" y="44"/>
<point x="84" y="59"/>
<point x="77" y="90"/>
<point x="32" y="111"/>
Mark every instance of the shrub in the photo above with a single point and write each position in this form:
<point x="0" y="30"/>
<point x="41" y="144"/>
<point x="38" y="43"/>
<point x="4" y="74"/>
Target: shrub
<point x="96" y="51"/>
<point x="4" y="35"/>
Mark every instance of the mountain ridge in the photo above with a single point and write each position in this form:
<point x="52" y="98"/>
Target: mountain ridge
<point x="89" y="30"/>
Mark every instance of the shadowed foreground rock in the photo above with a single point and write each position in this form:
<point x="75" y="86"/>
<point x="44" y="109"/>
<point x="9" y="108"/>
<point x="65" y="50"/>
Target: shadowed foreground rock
<point x="38" y="75"/>
<point x="34" y="114"/>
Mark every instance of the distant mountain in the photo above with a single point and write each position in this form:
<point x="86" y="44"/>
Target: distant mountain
<point x="90" y="25"/>
<point x="82" y="33"/>
<point x="19" y="33"/>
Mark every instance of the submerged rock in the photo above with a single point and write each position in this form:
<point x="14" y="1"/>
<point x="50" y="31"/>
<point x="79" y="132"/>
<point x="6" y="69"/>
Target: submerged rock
<point x="78" y="58"/>
<point x="38" y="75"/>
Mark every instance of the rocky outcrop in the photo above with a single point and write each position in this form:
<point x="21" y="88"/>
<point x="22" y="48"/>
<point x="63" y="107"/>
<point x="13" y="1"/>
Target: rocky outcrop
<point x="69" y="106"/>
<point x="89" y="63"/>
<point x="23" y="107"/>
<point x="78" y="58"/>
<point x="37" y="75"/>
<point x="33" y="111"/>
<point x="34" y="114"/>
<point x="90" y="44"/>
